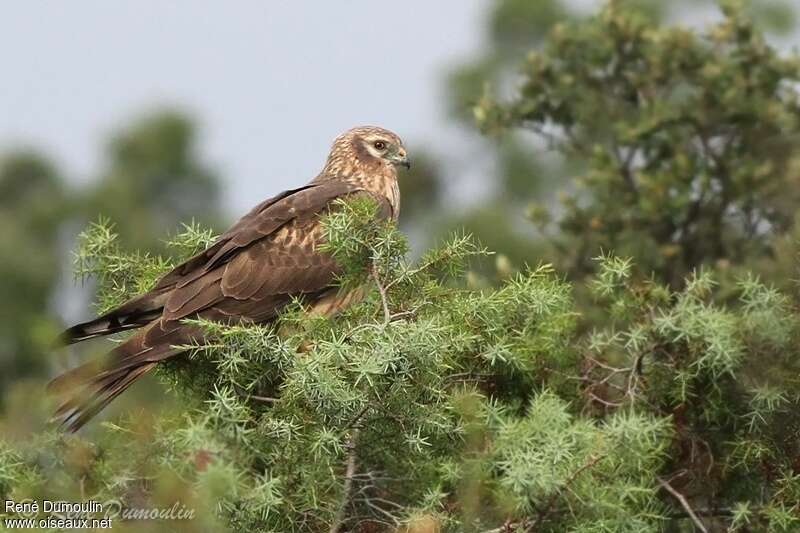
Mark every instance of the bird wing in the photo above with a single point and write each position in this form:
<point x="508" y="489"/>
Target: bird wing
<point x="279" y="221"/>
<point x="266" y="218"/>
<point x="266" y="263"/>
<point x="251" y="272"/>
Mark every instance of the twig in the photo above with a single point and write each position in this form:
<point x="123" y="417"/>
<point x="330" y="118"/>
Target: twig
<point x="384" y="512"/>
<point x="265" y="399"/>
<point x="387" y="315"/>
<point x="528" y="525"/>
<point x="544" y="511"/>
<point x="625" y="166"/>
<point x="607" y="403"/>
<point x="348" y="483"/>
<point x="357" y="418"/>
<point x="684" y="503"/>
<point x="243" y="392"/>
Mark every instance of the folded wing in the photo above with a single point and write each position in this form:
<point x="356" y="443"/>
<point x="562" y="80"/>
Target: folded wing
<point x="254" y="269"/>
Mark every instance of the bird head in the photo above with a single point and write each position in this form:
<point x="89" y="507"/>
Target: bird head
<point x="379" y="144"/>
<point x="366" y="148"/>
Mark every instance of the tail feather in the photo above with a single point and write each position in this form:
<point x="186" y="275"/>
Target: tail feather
<point x="75" y="412"/>
<point x="92" y="386"/>
<point x="113" y="322"/>
<point x="93" y="371"/>
<point x="133" y="314"/>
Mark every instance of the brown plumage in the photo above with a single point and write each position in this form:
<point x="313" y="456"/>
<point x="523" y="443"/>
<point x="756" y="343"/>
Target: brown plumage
<point x="254" y="269"/>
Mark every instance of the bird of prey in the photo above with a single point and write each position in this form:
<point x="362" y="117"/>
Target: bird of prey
<point x="264" y="261"/>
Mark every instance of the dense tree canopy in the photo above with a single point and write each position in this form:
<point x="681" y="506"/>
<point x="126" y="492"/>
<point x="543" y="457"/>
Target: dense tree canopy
<point x="689" y="142"/>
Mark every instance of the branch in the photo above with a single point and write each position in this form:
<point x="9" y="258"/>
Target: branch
<point x="624" y="167"/>
<point x="350" y="473"/>
<point x="526" y="524"/>
<point x="265" y="399"/>
<point x="684" y="503"/>
<point x="387" y="315"/>
<point x="544" y="511"/>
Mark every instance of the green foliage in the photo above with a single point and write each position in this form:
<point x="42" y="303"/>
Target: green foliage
<point x="32" y="203"/>
<point x="726" y="377"/>
<point x="549" y="460"/>
<point x="431" y="403"/>
<point x="689" y="141"/>
<point x="121" y="274"/>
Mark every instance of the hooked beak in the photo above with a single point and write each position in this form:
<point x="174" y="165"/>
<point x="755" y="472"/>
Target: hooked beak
<point x="400" y="159"/>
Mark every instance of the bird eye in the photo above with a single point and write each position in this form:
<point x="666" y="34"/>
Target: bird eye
<point x="379" y="145"/>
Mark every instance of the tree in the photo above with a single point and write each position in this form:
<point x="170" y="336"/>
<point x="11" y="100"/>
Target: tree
<point x="530" y="172"/>
<point x="32" y="205"/>
<point x="154" y="180"/>
<point x="466" y="411"/>
<point x="688" y="141"/>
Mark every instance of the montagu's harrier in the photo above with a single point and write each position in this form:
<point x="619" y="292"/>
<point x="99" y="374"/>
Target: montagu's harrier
<point x="254" y="269"/>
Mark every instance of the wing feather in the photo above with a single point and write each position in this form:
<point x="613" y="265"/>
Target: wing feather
<point x="251" y="280"/>
<point x="263" y="220"/>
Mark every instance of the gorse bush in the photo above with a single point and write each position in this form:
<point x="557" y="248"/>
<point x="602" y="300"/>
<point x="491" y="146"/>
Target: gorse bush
<point x="429" y="405"/>
<point x="657" y="391"/>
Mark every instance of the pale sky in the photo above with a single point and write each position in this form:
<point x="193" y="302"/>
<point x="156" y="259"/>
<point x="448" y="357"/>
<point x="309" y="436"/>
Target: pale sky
<point x="270" y="82"/>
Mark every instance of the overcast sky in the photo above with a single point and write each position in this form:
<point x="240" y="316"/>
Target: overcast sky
<point x="271" y="82"/>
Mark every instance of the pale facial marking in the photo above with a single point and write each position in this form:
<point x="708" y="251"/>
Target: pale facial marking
<point x="377" y="146"/>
